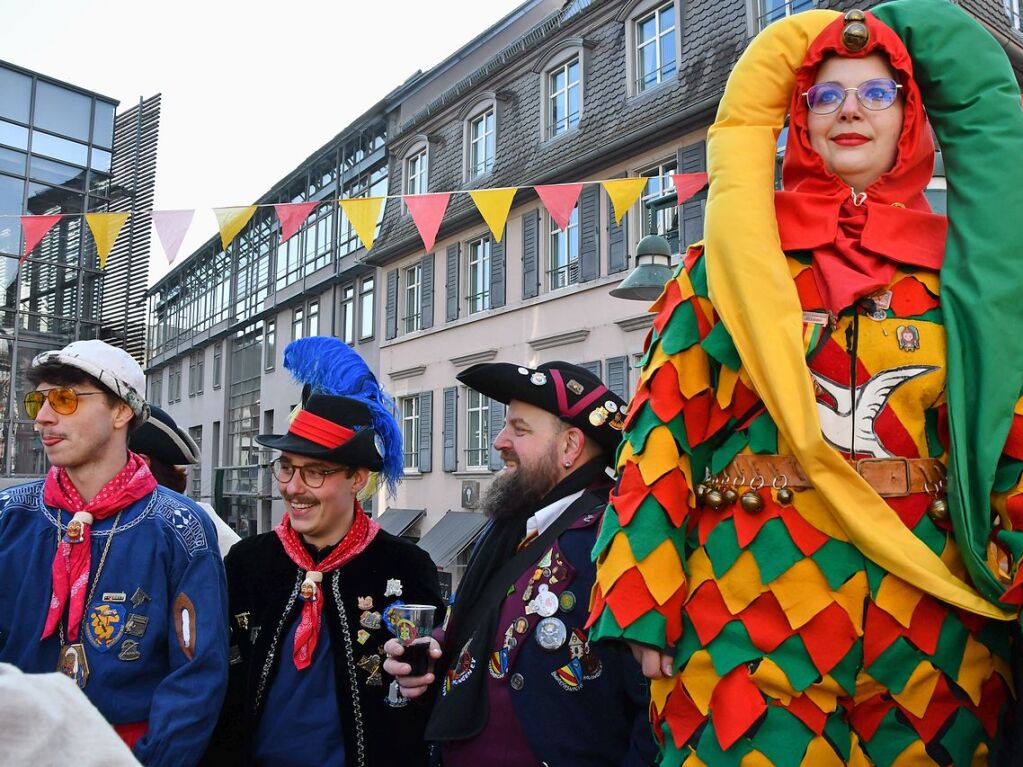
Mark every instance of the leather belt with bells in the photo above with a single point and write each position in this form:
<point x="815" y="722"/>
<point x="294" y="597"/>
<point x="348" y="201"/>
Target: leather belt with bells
<point x="890" y="478"/>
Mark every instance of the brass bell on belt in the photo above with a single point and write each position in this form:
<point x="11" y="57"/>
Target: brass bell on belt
<point x="701" y="495"/>
<point x="855" y="34"/>
<point x="937" y="509"/>
<point x="714" y="498"/>
<point x="785" y="496"/>
<point x="730" y="496"/>
<point x="752" y="502"/>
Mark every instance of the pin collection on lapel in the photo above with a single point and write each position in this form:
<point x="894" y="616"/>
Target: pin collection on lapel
<point x="371" y="620"/>
<point x="549" y="632"/>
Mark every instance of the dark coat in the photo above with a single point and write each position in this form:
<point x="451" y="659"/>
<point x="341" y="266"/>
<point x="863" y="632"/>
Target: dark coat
<point x="263" y="586"/>
<point x="578" y="705"/>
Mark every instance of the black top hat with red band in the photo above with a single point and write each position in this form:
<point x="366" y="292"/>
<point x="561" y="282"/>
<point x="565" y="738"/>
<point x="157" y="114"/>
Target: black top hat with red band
<point x="335" y="429"/>
<point x="570" y="392"/>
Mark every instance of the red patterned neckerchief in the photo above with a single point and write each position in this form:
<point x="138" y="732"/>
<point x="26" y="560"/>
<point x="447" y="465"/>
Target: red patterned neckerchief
<point x="73" y="559"/>
<point x="356" y="540"/>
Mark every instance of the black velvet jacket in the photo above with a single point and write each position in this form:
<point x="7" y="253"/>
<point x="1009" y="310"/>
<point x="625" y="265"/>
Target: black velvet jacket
<point x="263" y="585"/>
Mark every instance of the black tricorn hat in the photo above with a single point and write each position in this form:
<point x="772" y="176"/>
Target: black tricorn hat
<point x="335" y="429"/>
<point x="163" y="440"/>
<point x="570" y="392"/>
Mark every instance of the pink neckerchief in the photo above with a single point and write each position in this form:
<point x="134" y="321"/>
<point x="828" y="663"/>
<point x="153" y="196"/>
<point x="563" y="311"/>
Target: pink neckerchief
<point x="73" y="559"/>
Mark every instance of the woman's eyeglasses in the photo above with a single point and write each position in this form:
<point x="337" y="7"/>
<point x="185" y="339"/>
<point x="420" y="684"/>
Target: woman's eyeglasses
<point x="62" y="399"/>
<point x="311" y="476"/>
<point x="875" y="95"/>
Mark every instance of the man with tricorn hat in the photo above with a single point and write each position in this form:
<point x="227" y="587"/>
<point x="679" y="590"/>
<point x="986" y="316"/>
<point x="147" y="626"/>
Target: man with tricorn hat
<point x="106" y="576"/>
<point x="306" y="600"/>
<point x="517" y="681"/>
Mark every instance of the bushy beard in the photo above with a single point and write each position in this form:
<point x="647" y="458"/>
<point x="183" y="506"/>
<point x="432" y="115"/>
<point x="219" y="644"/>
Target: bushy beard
<point x="511" y="492"/>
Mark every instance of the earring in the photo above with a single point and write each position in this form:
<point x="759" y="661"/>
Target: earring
<point x="568" y="464"/>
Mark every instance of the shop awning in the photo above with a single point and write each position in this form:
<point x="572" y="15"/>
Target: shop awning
<point x="452" y="535"/>
<point x="398" y="521"/>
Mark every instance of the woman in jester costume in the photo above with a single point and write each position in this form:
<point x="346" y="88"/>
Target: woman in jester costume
<point x="814" y="543"/>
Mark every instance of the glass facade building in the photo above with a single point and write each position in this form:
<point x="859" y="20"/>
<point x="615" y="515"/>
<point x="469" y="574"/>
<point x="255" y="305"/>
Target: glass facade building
<point x="56" y="155"/>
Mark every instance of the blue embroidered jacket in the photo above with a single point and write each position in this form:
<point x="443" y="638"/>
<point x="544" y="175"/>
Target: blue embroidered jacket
<point x="155" y="628"/>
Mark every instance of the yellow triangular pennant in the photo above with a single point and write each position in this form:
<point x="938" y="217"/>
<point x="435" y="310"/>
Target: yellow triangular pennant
<point x="231" y="221"/>
<point x="623" y="193"/>
<point x="364" y="212"/>
<point x="105" y="228"/>
<point x="494" y="205"/>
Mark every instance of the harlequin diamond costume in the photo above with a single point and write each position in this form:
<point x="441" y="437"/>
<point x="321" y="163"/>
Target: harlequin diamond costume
<point x="307" y="686"/>
<point x="780" y="525"/>
<point x="125" y="594"/>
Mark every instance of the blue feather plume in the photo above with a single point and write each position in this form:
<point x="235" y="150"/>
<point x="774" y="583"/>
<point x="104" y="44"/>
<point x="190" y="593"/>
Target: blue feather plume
<point x="330" y="366"/>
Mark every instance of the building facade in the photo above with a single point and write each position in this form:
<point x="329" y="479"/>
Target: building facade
<point x="557" y="92"/>
<point x="56" y="157"/>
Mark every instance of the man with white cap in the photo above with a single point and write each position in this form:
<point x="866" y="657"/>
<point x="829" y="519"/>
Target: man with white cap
<point x="107" y="577"/>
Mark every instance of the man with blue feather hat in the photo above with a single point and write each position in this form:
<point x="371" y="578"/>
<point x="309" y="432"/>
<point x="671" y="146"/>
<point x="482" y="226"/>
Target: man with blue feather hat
<point x="307" y="685"/>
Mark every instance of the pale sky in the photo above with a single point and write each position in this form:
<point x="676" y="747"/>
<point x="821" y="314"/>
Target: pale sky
<point x="250" y="89"/>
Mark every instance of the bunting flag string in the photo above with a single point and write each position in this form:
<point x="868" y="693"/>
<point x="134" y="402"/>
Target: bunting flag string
<point x="171" y="226"/>
<point x="560" y="201"/>
<point x="427" y="212"/>
<point x="292" y="215"/>
<point x="105" y="228"/>
<point x="494" y="205"/>
<point x="623" y="193"/>
<point x="364" y="213"/>
<point x="232" y="220"/>
<point x="34" y="229"/>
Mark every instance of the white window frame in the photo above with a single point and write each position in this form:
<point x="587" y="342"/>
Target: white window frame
<point x="640" y="13"/>
<point x="480" y="110"/>
<point x="758" y="13"/>
<point x="1013" y="11"/>
<point x="417" y="173"/>
<point x="408" y="411"/>
<point x="560" y="275"/>
<point x="367" y="301"/>
<point x="555" y="96"/>
<point x="477" y="431"/>
<point x="270" y="345"/>
<point x="298" y="323"/>
<point x="346" y="316"/>
<point x="477" y="274"/>
<point x="312" y="318"/>
<point x="659" y="175"/>
<point x="412" y="276"/>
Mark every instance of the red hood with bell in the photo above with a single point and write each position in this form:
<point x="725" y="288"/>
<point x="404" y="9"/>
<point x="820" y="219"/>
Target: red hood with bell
<point x="857" y="243"/>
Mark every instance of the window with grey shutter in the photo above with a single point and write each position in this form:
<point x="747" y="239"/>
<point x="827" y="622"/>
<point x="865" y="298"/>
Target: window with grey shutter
<point x="589" y="233"/>
<point x="426" y="431"/>
<point x="497" y="272"/>
<point x="451" y="283"/>
<point x="426" y="291"/>
<point x="618" y="376"/>
<point x="531" y="254"/>
<point x="693" y="159"/>
<point x="617" y="239"/>
<point x="450" y="433"/>
<point x="496" y="416"/>
<point x="593" y="367"/>
<point x="391" y="307"/>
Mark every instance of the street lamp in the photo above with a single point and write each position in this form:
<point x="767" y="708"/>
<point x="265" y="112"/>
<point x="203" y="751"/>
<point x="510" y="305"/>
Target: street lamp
<point x="653" y="269"/>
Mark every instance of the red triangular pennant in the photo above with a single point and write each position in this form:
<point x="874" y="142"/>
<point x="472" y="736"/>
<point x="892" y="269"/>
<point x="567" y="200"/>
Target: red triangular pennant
<point x="688" y="184"/>
<point x="560" y="200"/>
<point x="427" y="211"/>
<point x="35" y="228"/>
<point x="292" y="216"/>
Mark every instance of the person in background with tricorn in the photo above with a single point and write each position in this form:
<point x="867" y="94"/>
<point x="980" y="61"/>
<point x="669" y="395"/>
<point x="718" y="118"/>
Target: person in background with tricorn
<point x="168" y="448"/>
<point x="307" y="600"/>
<point x="518" y="682"/>
<point x="106" y="576"/>
<point x="780" y="550"/>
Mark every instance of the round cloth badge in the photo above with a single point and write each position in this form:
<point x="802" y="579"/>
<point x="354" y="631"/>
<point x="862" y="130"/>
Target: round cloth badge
<point x="524" y="371"/>
<point x="566" y="601"/>
<point x="545" y="603"/>
<point x="611" y="406"/>
<point x="551" y="634"/>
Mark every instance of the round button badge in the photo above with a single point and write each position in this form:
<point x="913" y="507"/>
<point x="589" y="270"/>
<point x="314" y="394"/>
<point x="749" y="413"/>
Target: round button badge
<point x="551" y="633"/>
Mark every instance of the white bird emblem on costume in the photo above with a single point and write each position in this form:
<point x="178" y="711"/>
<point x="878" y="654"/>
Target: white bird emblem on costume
<point x="871" y="397"/>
